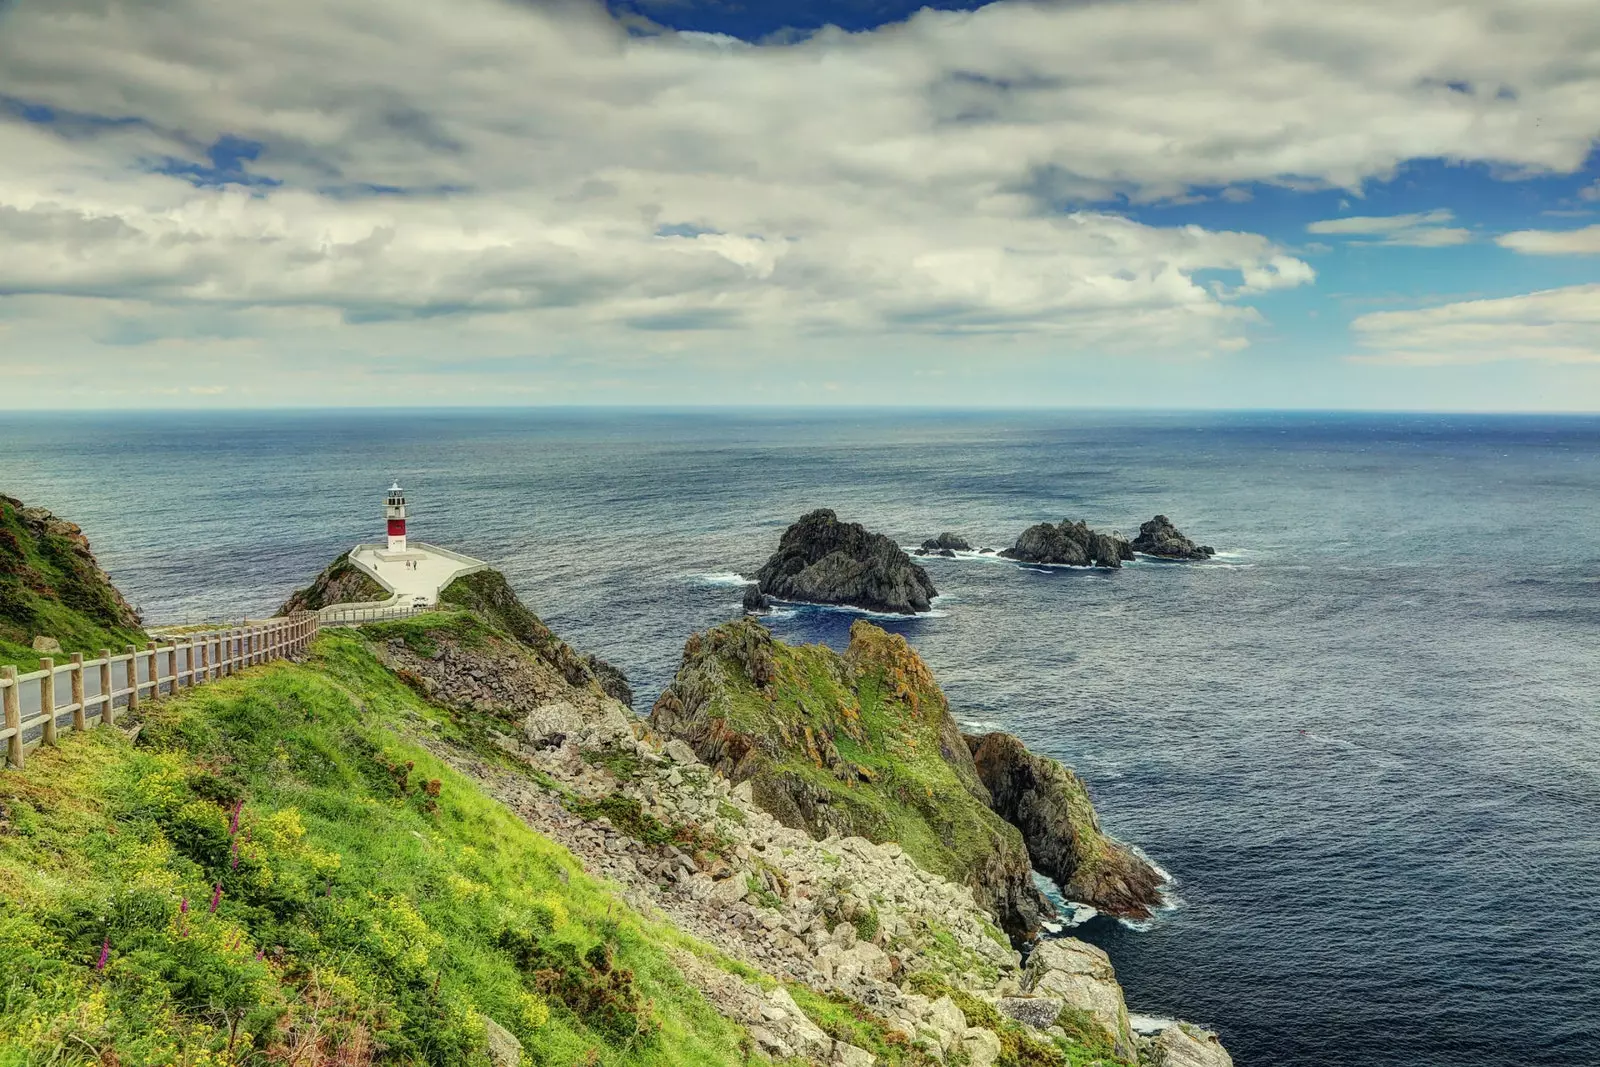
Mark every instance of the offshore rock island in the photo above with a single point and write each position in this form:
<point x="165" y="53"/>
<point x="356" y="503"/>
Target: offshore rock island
<point x="447" y="832"/>
<point x="821" y="560"/>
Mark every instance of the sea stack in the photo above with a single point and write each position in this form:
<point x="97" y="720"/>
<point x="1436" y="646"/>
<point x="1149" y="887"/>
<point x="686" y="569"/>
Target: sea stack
<point x="1159" y="537"/>
<point x="1070" y="543"/>
<point x="821" y="560"/>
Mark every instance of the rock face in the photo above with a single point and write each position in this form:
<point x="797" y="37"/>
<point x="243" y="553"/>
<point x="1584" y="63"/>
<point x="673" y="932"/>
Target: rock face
<point x="1184" y="1045"/>
<point x="341" y="582"/>
<point x="861" y="744"/>
<point x="1159" y="537"/>
<point x="821" y="560"/>
<point x="947" y="540"/>
<point x="1071" y="543"/>
<point x="1050" y="806"/>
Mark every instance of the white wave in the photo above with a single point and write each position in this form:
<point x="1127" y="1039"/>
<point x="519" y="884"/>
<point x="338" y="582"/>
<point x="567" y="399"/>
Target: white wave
<point x="983" y="725"/>
<point x="1077" y="914"/>
<point x="1149" y="1024"/>
<point x="850" y="609"/>
<point x="721" y="578"/>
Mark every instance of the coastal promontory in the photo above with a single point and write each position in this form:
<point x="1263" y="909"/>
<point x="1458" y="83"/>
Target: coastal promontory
<point x="821" y="560"/>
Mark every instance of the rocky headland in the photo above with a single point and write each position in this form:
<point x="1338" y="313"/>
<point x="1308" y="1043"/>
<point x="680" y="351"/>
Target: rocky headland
<point x="341" y="582"/>
<point x="1071" y="544"/>
<point x="821" y="560"/>
<point x="1159" y="537"/>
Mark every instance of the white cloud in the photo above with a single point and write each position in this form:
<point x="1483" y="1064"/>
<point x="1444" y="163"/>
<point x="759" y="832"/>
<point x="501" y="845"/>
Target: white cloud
<point x="1422" y="229"/>
<point x="1585" y="241"/>
<point x="566" y="178"/>
<point x="1552" y="326"/>
<point x="1590" y="192"/>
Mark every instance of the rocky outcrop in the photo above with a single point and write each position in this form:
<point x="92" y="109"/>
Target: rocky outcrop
<point x="1050" y="806"/>
<point x="341" y="582"/>
<point x="1080" y="976"/>
<point x="821" y="560"/>
<point x="1183" y="1045"/>
<point x="1159" y="537"/>
<point x="1070" y="543"/>
<point x="782" y="719"/>
<point x="51" y="586"/>
<point x="947" y="542"/>
<point x="755" y="601"/>
<point x="613" y="682"/>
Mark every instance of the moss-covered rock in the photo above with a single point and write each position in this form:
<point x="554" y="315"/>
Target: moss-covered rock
<point x="341" y="582"/>
<point x="51" y="586"/>
<point x="860" y="744"/>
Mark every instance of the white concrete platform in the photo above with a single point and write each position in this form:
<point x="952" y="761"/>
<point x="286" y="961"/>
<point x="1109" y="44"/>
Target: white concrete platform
<point x="413" y="579"/>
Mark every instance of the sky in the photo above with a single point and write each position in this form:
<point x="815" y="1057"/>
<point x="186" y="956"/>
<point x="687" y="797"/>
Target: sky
<point x="1144" y="203"/>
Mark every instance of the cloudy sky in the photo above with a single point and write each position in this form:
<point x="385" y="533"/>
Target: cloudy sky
<point x="1208" y="203"/>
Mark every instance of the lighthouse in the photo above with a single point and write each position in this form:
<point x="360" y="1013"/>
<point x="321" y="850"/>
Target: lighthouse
<point x="394" y="506"/>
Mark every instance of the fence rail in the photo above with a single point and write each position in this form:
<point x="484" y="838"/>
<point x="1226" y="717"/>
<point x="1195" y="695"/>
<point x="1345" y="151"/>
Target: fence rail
<point x="356" y="615"/>
<point x="109" y="682"/>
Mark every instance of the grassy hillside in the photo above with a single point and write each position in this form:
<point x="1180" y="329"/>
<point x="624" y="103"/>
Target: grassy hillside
<point x="50" y="585"/>
<point x="274" y="874"/>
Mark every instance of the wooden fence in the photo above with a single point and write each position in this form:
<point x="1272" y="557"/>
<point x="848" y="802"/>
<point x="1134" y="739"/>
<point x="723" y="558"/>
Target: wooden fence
<point x="94" y="690"/>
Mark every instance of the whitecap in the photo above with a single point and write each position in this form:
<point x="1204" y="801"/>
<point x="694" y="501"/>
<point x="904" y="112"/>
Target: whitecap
<point x="850" y="609"/>
<point x="721" y="578"/>
<point x="980" y="725"/>
<point x="1149" y="1024"/>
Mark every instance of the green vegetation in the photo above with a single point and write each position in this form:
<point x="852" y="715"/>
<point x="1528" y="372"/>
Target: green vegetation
<point x="844" y="1019"/>
<point x="870" y="731"/>
<point x="274" y="875"/>
<point x="50" y="585"/>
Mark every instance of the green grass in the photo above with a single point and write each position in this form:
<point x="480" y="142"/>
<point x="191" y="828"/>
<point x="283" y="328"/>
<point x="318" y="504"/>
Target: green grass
<point x="380" y="901"/>
<point x="48" y="588"/>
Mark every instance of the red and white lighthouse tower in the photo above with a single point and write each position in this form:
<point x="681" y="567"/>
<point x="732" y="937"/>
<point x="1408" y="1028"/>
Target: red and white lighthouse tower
<point x="394" y="506"/>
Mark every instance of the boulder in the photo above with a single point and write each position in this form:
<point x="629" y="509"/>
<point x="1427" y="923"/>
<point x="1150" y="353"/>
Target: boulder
<point x="678" y="751"/>
<point x="947" y="542"/>
<point x="1070" y="543"/>
<point x="850" y="1056"/>
<point x="1159" y="537"/>
<point x="1080" y="975"/>
<point x="947" y="1019"/>
<point x="981" y="1046"/>
<point x="1184" y="1045"/>
<point x="46" y="646"/>
<point x="821" y="560"/>
<point x="755" y="601"/>
<point x="1037" y="1012"/>
<point x="503" y="1047"/>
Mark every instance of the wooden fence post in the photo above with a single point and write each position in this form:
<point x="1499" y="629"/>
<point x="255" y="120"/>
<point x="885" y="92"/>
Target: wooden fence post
<point x="133" y="678"/>
<point x="78" y="722"/>
<point x="172" y="662"/>
<point x="47" y="698"/>
<point x="155" y="672"/>
<point x="13" y="710"/>
<point x="107" y="716"/>
<point x="205" y="659"/>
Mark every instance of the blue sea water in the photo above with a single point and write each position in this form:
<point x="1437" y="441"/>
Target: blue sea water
<point x="1364" y="740"/>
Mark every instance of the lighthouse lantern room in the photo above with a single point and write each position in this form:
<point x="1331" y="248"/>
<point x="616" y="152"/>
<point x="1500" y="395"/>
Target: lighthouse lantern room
<point x="395" y="509"/>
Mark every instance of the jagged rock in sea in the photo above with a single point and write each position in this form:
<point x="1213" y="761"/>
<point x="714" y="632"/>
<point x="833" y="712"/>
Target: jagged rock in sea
<point x="821" y="560"/>
<point x="755" y="601"/>
<point x="1071" y="543"/>
<point x="1050" y="806"/>
<point x="782" y="717"/>
<point x="947" y="540"/>
<point x="341" y="582"/>
<point x="1159" y="537"/>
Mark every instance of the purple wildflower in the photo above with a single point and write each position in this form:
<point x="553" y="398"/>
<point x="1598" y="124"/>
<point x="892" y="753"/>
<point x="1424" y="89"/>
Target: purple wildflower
<point x="216" y="897"/>
<point x="183" y="906"/>
<point x="235" y="865"/>
<point x="233" y="824"/>
<point x="105" y="954"/>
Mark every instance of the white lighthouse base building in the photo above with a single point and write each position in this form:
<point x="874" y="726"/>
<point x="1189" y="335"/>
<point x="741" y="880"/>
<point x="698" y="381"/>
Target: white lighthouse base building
<point x="413" y="572"/>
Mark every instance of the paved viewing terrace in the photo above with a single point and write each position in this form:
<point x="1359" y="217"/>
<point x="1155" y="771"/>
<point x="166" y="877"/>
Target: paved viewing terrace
<point x="414" y="578"/>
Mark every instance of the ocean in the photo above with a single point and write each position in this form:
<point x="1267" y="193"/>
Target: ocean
<point x="1364" y="740"/>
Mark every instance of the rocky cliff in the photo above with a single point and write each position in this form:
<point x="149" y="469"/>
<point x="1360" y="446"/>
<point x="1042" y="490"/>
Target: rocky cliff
<point x="821" y="560"/>
<point x="1070" y="543"/>
<point x="341" y="582"/>
<point x="52" y="588"/>
<point x="1159" y="537"/>
<point x="861" y="744"/>
<point x="1051" y="807"/>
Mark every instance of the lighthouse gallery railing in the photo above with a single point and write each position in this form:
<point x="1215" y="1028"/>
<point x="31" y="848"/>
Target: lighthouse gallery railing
<point x="82" y="692"/>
